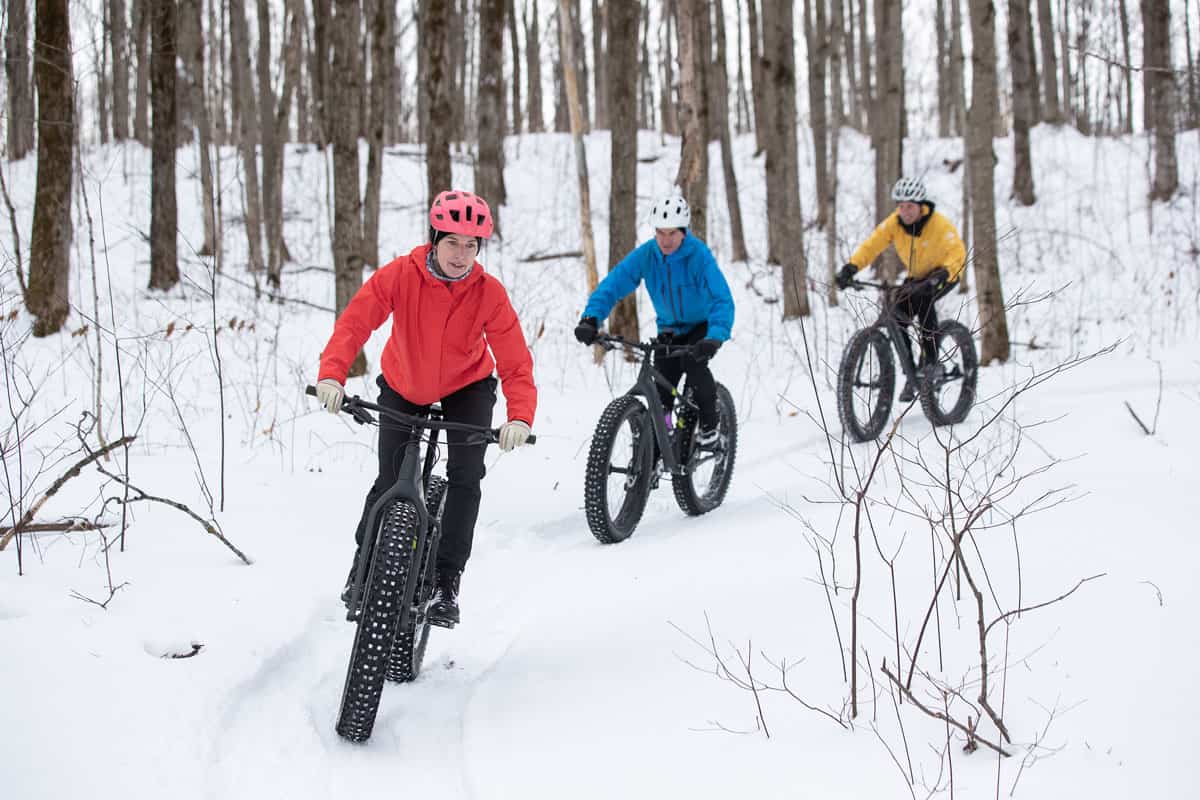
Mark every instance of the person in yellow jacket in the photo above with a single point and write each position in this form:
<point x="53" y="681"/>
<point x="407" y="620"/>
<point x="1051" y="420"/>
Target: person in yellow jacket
<point x="933" y="255"/>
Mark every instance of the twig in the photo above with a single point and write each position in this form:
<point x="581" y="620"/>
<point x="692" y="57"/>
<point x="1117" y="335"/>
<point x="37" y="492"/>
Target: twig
<point x="1138" y="420"/>
<point x="58" y="484"/>
<point x="1063" y="596"/>
<point x="971" y="734"/>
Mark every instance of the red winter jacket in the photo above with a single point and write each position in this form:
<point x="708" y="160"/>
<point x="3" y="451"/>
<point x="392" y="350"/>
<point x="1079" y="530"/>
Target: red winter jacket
<point x="441" y="332"/>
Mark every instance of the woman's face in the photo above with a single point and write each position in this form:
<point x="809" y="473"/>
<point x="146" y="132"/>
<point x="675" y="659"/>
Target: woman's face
<point x="456" y="253"/>
<point x="668" y="239"/>
<point x="909" y="212"/>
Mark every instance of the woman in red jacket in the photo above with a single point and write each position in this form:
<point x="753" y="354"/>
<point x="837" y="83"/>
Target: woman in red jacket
<point x="446" y="314"/>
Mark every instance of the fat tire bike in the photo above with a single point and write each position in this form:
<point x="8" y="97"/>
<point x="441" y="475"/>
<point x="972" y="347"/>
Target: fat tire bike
<point x="392" y="585"/>
<point x="867" y="373"/>
<point x="633" y="446"/>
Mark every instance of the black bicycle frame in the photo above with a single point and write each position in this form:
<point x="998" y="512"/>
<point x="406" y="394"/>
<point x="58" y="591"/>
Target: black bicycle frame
<point x="411" y="478"/>
<point x="895" y="331"/>
<point x="645" y="387"/>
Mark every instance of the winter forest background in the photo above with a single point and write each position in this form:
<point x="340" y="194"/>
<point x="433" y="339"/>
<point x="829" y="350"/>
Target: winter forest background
<point x="193" y="190"/>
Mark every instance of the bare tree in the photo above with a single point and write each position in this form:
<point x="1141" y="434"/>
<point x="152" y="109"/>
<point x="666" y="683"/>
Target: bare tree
<point x="19" y="88"/>
<point x="434" y="42"/>
<point x="645" y="86"/>
<point x="1156" y="26"/>
<point x="786" y="245"/>
<point x="382" y="56"/>
<point x="719" y="118"/>
<point x="191" y="39"/>
<point x="622" y="23"/>
<point x="1024" y="115"/>
<point x="1051" y="111"/>
<point x="164" y="215"/>
<point x="118" y="43"/>
<point x="347" y="205"/>
<point x="141" y="106"/>
<point x="489" y="166"/>
<point x="571" y="85"/>
<point x="741" y="103"/>
<point x="816" y="38"/>
<point x="887" y="115"/>
<point x="247" y="140"/>
<point x="50" y="248"/>
<point x="510" y="13"/>
<point x="980" y="124"/>
<point x="1123" y="13"/>
<point x="944" y="75"/>
<point x="533" y="68"/>
<point x="758" y="78"/>
<point x="319" y="69"/>
<point x="581" y="61"/>
<point x="667" y="104"/>
<point x="599" y="61"/>
<point x="692" y="177"/>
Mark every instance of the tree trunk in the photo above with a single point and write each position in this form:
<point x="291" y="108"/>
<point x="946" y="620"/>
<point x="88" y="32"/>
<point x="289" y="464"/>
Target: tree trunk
<point x="866" y="92"/>
<point x="995" y="345"/>
<point x="815" y="37"/>
<point x="1064" y="62"/>
<point x="571" y="86"/>
<point x="240" y="56"/>
<point x="741" y="103"/>
<point x="1124" y="15"/>
<point x="945" y="99"/>
<point x="217" y="72"/>
<point x="562" y="114"/>
<point x="758" y="78"/>
<point x="599" y="72"/>
<point x="273" y="136"/>
<point x="670" y="109"/>
<point x="489" y="166"/>
<point x="533" y="69"/>
<point x="434" y="41"/>
<point x="720" y="119"/>
<point x="783" y="175"/>
<point x="1193" y="79"/>
<point x="164" y="215"/>
<point x="646" y="86"/>
<point x="958" y="68"/>
<point x="835" y="69"/>
<point x="581" y="62"/>
<point x="191" y="44"/>
<point x="118" y="43"/>
<point x="622" y="31"/>
<point x="319" y="70"/>
<point x="510" y="12"/>
<point x="347" y="205"/>
<point x="141" y="108"/>
<point x="692" y="177"/>
<point x="887" y="116"/>
<point x="1051" y="111"/>
<point x="50" y="248"/>
<point x="1156" y="25"/>
<point x="19" y="87"/>
<point x="103" y="83"/>
<point x="382" y="56"/>
<point x="1024" y="116"/>
<point x="847" y="34"/>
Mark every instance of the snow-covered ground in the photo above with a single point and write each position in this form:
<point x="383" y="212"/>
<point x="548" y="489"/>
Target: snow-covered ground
<point x="584" y="670"/>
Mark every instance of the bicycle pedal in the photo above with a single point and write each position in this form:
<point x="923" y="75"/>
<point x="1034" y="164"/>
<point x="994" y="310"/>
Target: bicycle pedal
<point x="442" y="622"/>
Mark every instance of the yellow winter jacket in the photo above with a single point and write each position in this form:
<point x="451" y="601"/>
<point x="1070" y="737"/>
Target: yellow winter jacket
<point x="935" y="244"/>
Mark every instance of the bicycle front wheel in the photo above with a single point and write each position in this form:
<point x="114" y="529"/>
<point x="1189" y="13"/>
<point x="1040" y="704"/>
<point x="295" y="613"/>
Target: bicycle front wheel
<point x="412" y="635"/>
<point x="385" y="603"/>
<point x="947" y="397"/>
<point x="618" y="470"/>
<point x="704" y="484"/>
<point x="866" y="381"/>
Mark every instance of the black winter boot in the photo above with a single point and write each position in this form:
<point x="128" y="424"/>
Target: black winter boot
<point x="443" y="610"/>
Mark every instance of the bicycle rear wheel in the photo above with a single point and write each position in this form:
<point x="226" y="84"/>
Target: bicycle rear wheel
<point x="704" y="484"/>
<point x="947" y="398"/>
<point x="866" y="381"/>
<point x="619" y="467"/>
<point x="387" y="594"/>
<point x="412" y="635"/>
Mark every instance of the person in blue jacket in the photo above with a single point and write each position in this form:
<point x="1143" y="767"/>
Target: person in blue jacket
<point x="690" y="297"/>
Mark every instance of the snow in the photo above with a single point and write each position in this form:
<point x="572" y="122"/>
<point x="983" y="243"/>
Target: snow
<point x="585" y="670"/>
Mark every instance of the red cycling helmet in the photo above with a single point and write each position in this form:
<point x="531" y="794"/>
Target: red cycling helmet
<point x="456" y="211"/>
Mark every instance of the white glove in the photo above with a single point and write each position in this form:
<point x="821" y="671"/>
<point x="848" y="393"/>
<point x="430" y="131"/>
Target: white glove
<point x="330" y="394"/>
<point x="513" y="434"/>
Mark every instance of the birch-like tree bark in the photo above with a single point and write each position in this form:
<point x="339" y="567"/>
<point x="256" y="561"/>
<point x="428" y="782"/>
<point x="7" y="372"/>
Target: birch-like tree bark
<point x="993" y="321"/>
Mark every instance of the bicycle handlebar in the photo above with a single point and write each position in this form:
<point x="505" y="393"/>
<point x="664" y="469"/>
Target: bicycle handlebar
<point x="359" y="409"/>
<point x="610" y="342"/>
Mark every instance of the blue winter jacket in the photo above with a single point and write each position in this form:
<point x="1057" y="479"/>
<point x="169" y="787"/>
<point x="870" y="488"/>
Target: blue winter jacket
<point x="686" y="287"/>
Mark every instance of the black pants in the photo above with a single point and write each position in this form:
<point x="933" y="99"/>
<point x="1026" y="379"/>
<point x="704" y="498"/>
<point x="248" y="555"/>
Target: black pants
<point x="919" y="309"/>
<point x="700" y="377"/>
<point x="464" y="463"/>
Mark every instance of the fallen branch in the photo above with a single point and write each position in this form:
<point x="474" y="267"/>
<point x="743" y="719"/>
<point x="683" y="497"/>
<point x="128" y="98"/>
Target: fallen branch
<point x="210" y="526"/>
<point x="972" y="735"/>
<point x="63" y="526"/>
<point x="58" y="484"/>
<point x="551" y="256"/>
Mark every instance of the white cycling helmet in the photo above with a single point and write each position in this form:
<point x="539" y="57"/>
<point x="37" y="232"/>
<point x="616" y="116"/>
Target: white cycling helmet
<point x="670" y="212"/>
<point x="909" y="190"/>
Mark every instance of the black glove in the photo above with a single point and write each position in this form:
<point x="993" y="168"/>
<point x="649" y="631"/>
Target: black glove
<point x="938" y="279"/>
<point x="845" y="275"/>
<point x="587" y="330"/>
<point x="665" y="337"/>
<point x="706" y="349"/>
